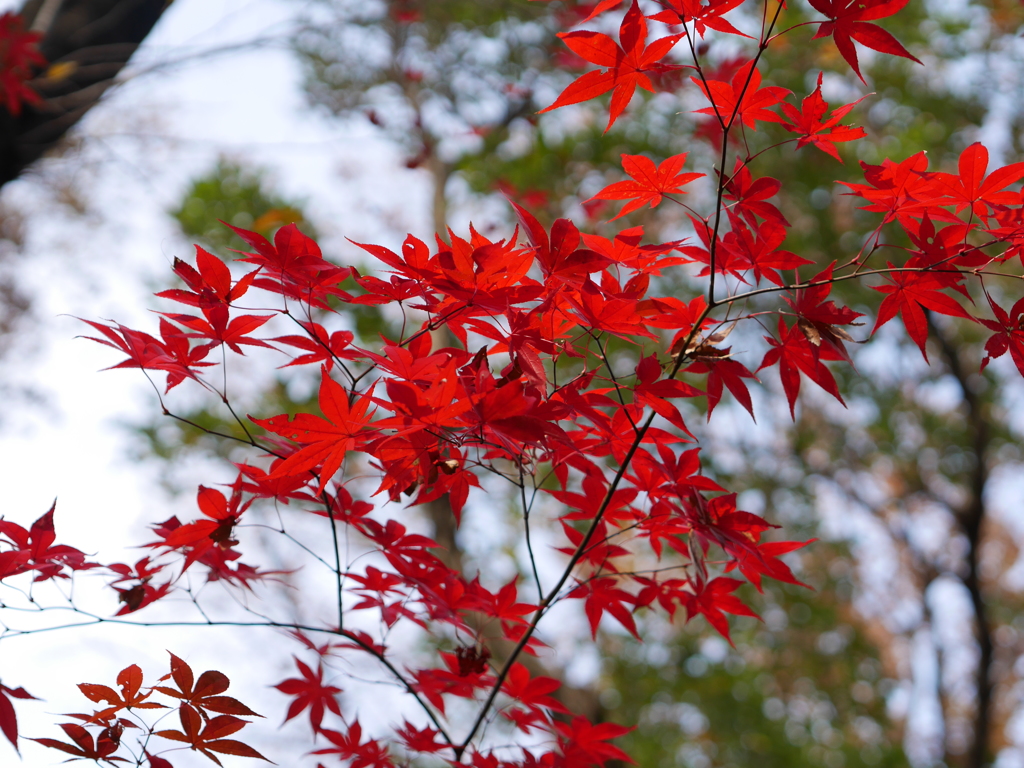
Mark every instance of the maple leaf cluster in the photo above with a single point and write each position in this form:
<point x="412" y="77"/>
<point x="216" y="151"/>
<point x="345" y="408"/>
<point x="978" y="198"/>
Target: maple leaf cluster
<point x="540" y="397"/>
<point x="35" y="553"/>
<point x="625" y="65"/>
<point x="207" y="716"/>
<point x="540" y="403"/>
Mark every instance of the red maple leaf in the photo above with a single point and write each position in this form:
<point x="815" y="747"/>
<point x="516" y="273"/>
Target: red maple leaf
<point x="142" y="592"/>
<point x="603" y="596"/>
<point x="713" y="600"/>
<point x="503" y="605"/>
<point x="294" y="266"/>
<point x="743" y="98"/>
<point x="327" y="440"/>
<point x="909" y="294"/>
<point x="971" y="188"/>
<point x="35" y="550"/>
<point x="420" y="739"/>
<point x="625" y="66"/>
<point x="376" y="587"/>
<point x="223" y="516"/>
<point x="706" y="15"/>
<point x="601" y="311"/>
<point x="84" y="747"/>
<point x="753" y="248"/>
<point x="173" y="354"/>
<point x="763" y="560"/>
<point x="584" y="743"/>
<point x="310" y="692"/>
<point x="722" y="371"/>
<point x="849" y="21"/>
<point x="320" y="346"/>
<point x="202" y="694"/>
<point x="900" y="190"/>
<point x="210" y="285"/>
<point x="130" y="696"/>
<point x="824" y="134"/>
<point x="218" y="327"/>
<point x="157" y="762"/>
<point x="595" y="497"/>
<point x="1010" y="231"/>
<point x="207" y="736"/>
<point x="350" y="746"/>
<point x="533" y="693"/>
<point x="655" y="392"/>
<point x="795" y="353"/>
<point x="8" y="717"/>
<point x="283" y="489"/>
<point x="819" y="319"/>
<point x="649" y="183"/>
<point x="560" y="256"/>
<point x="750" y="195"/>
<point x="1009" y="334"/>
<point x="625" y="249"/>
<point x="670" y="593"/>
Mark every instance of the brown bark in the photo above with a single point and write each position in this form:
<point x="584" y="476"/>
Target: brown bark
<point x="87" y="43"/>
<point x="971" y="520"/>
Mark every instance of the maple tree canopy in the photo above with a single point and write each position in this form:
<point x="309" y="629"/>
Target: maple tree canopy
<point x="548" y="360"/>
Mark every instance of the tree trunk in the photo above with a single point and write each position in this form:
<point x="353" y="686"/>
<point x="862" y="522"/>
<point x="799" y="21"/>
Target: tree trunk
<point x="87" y="43"/>
<point x="971" y="519"/>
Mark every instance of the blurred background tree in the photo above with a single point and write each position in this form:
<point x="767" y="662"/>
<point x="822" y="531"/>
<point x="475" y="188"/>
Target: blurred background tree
<point x="906" y="649"/>
<point x="437" y="78"/>
<point x="239" y="195"/>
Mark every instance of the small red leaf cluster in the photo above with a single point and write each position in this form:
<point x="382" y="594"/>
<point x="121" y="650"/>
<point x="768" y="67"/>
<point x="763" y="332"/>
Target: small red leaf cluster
<point x="624" y="65"/>
<point x="34" y="551"/>
<point x="20" y="59"/>
<point x="206" y="716"/>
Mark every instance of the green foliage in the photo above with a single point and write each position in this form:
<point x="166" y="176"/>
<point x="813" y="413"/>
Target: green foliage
<point x="239" y="195"/>
<point x="424" y="71"/>
<point x="803" y="688"/>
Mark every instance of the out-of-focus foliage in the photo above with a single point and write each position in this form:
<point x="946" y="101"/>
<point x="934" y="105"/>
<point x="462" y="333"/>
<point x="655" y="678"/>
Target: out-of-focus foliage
<point x="238" y="195"/>
<point x="805" y="687"/>
<point x="427" y="72"/>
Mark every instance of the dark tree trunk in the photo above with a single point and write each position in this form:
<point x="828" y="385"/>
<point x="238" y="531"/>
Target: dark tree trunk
<point x="971" y="519"/>
<point x="87" y="43"/>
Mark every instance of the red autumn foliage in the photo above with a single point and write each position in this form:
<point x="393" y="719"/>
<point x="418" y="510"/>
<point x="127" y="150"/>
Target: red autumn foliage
<point x="626" y="63"/>
<point x="20" y="60"/>
<point x="649" y="183"/>
<point x="563" y="373"/>
<point x="824" y="134"/>
<point x="850" y="20"/>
